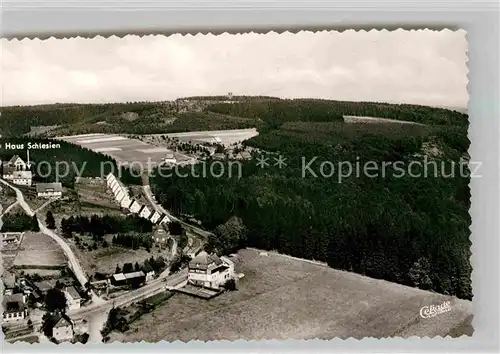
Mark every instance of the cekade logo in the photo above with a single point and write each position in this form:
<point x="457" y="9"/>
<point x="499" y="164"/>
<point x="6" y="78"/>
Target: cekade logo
<point x="434" y="310"/>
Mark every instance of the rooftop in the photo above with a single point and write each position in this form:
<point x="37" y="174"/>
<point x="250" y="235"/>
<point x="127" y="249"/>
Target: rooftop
<point x="14" y="159"/>
<point x="44" y="285"/>
<point x="203" y="260"/>
<point x="23" y="174"/>
<point x="135" y="275"/>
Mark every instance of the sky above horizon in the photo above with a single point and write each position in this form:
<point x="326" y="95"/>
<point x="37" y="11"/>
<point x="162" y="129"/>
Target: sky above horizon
<point x="421" y="67"/>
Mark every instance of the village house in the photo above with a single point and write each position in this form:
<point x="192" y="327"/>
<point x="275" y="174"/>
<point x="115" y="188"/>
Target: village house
<point x="126" y="201"/>
<point x="45" y="285"/>
<point x="49" y="190"/>
<point x="155" y="217"/>
<point x="15" y="309"/>
<point x="119" y="196"/>
<point x="149" y="271"/>
<point x="11" y="238"/>
<point x="17" y="163"/>
<point x="160" y="234"/>
<point x="134" y="207"/>
<point x="9" y="282"/>
<point x="170" y="159"/>
<point x="164" y="219"/>
<point x="62" y="329"/>
<point x="73" y="299"/>
<point x="116" y="188"/>
<point x="22" y="178"/>
<point x="210" y="271"/>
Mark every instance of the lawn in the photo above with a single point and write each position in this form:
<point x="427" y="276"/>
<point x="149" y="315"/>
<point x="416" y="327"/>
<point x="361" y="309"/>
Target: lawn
<point x="104" y="260"/>
<point x="280" y="298"/>
<point x="93" y="194"/>
<point x="38" y="249"/>
<point x="7" y="196"/>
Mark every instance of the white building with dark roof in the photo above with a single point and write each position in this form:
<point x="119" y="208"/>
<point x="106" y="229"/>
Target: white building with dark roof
<point x="145" y="212"/>
<point x="210" y="271"/>
<point x="127" y="279"/>
<point x="155" y="217"/>
<point x="22" y="178"/>
<point x="49" y="190"/>
<point x="18" y="163"/>
<point x="73" y="299"/>
<point x="134" y="207"/>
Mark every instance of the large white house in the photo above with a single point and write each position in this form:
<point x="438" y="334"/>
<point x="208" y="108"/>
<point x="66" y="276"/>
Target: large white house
<point x="170" y="159"/>
<point x="210" y="271"/>
<point x="49" y="190"/>
<point x="17" y="171"/>
<point x="18" y="163"/>
<point x="63" y="330"/>
<point x="126" y="201"/>
<point x="145" y="212"/>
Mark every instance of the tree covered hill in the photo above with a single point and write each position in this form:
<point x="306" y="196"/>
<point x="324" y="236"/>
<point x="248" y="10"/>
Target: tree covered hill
<point x="18" y="120"/>
<point x="47" y="162"/>
<point x="277" y="112"/>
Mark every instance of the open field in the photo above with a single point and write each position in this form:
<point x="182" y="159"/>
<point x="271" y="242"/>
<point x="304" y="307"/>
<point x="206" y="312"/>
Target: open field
<point x="281" y="298"/>
<point x="38" y="249"/>
<point x="124" y="150"/>
<point x="128" y="151"/>
<point x="93" y="192"/>
<point x="49" y="273"/>
<point x="7" y="197"/>
<point x="104" y="260"/>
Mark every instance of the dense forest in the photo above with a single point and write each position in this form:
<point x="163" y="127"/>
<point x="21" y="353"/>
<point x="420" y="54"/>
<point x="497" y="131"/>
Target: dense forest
<point x="48" y="165"/>
<point x="98" y="226"/>
<point x="18" y="120"/>
<point x="406" y="229"/>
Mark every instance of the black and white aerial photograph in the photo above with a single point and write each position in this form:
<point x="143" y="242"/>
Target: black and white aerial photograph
<point x="309" y="185"/>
